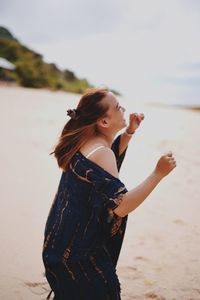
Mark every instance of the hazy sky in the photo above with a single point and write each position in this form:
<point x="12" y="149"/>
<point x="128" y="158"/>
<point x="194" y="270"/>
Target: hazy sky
<point x="148" y="50"/>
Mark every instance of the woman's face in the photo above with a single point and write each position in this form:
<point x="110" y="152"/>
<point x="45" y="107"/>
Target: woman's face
<point x="115" y="114"/>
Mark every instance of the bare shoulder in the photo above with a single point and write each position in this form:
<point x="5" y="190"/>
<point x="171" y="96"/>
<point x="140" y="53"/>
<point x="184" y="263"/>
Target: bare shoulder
<point x="106" y="159"/>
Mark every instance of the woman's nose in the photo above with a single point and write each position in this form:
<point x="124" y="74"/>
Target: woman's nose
<point x="123" y="108"/>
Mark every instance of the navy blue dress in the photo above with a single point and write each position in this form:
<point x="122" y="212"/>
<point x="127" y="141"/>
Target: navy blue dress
<point x="83" y="236"/>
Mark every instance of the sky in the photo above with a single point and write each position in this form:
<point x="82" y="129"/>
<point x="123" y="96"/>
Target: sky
<point x="147" y="50"/>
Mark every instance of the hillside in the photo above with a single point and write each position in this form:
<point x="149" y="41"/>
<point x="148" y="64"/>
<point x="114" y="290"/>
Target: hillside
<point x="31" y="70"/>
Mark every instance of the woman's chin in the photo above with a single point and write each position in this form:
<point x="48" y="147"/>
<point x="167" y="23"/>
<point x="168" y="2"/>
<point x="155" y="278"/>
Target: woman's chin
<point x="123" y="126"/>
<point x="124" y="121"/>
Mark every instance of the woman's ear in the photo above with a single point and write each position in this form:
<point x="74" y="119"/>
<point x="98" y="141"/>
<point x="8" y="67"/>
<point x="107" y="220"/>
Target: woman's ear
<point x="103" y="122"/>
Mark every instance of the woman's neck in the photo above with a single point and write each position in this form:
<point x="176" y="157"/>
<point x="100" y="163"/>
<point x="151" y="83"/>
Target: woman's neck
<point x="106" y="140"/>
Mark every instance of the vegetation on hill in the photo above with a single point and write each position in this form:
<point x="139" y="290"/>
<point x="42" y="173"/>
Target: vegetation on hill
<point x="31" y="70"/>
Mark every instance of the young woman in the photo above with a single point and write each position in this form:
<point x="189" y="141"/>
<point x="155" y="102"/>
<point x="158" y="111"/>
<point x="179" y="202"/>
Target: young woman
<point x="87" y="220"/>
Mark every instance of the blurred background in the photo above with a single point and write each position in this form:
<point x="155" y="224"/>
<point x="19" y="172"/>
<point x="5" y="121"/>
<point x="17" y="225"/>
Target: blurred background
<point x="148" y="54"/>
<point x="146" y="50"/>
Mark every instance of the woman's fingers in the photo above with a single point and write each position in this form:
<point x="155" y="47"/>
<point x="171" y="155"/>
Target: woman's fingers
<point x="142" y="116"/>
<point x="135" y="117"/>
<point x="166" y="164"/>
<point x="172" y="162"/>
<point x="171" y="159"/>
<point x="169" y="153"/>
<point x="169" y="156"/>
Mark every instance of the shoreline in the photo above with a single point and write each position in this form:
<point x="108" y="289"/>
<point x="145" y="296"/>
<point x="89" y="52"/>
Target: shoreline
<point x="5" y="84"/>
<point x="175" y="106"/>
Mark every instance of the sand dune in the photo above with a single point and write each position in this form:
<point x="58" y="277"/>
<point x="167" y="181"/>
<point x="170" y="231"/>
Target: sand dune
<point x="160" y="254"/>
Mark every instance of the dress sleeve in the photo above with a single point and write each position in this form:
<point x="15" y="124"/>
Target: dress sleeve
<point x="104" y="191"/>
<point x="115" y="148"/>
<point x="108" y="194"/>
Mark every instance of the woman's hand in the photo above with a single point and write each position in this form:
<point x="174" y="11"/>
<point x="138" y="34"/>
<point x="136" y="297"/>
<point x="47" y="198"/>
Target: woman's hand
<point x="165" y="165"/>
<point x="134" y="121"/>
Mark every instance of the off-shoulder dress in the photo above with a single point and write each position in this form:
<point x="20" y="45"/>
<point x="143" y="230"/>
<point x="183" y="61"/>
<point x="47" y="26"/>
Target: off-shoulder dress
<point x="83" y="236"/>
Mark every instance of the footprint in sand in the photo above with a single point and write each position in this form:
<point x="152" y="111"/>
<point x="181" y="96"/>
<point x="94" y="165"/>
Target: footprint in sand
<point x="125" y="268"/>
<point x="152" y="295"/>
<point x="42" y="287"/>
<point x="34" y="284"/>
<point x="149" y="282"/>
<point x="132" y="268"/>
<point x="179" y="222"/>
<point x="141" y="258"/>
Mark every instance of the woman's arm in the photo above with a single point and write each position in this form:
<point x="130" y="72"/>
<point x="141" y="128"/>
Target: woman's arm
<point x="124" y="140"/>
<point x="105" y="158"/>
<point x="116" y="149"/>
<point x="133" y="198"/>
<point x="134" y="122"/>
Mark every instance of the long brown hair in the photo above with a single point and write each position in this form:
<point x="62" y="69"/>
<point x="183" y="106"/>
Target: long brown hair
<point x="76" y="131"/>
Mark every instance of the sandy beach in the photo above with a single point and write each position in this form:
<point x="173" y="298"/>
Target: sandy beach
<point x="160" y="254"/>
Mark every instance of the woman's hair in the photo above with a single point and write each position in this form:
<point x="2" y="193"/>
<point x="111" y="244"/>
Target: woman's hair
<point x="78" y="130"/>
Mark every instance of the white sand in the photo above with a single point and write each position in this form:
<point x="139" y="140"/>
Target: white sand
<point x="160" y="253"/>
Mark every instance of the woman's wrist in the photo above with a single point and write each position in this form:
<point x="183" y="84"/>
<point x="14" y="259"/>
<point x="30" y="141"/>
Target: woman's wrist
<point x="157" y="174"/>
<point x="129" y="132"/>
